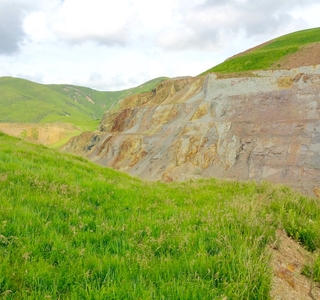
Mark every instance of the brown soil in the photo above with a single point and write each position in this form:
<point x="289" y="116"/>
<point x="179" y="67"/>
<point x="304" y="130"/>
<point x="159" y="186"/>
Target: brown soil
<point x="288" y="260"/>
<point x="45" y="134"/>
<point x="306" y="56"/>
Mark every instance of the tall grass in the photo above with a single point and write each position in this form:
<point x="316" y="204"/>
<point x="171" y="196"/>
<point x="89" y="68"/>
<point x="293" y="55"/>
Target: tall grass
<point x="72" y="230"/>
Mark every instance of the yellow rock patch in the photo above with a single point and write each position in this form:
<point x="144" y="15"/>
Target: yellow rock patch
<point x="285" y="82"/>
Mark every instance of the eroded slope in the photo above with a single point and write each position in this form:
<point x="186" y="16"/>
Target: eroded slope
<point x="261" y="127"/>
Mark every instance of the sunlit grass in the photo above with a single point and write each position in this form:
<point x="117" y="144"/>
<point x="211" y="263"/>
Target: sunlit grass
<point x="268" y="56"/>
<point x="72" y="230"/>
<point x="23" y="101"/>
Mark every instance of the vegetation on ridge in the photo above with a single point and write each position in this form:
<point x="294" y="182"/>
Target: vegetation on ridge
<point x="70" y="229"/>
<point x="268" y="55"/>
<point x="23" y="101"/>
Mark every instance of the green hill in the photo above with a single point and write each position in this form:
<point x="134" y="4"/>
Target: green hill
<point x="268" y="55"/>
<point x="23" y="101"/>
<point x="70" y="229"/>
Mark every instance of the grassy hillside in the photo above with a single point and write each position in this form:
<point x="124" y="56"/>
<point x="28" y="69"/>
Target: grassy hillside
<point x="24" y="101"/>
<point x="102" y="100"/>
<point x="72" y="230"/>
<point x="268" y="55"/>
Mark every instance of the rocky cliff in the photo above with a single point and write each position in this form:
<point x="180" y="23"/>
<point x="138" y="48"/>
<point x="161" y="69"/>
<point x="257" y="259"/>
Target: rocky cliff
<point x="264" y="127"/>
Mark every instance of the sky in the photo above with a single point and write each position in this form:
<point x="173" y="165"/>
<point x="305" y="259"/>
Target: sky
<point x="113" y="45"/>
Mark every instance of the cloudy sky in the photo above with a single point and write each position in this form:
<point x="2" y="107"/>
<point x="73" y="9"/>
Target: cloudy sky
<point x="112" y="45"/>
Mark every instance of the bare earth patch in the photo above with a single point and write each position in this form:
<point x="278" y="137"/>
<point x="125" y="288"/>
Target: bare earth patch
<point x="288" y="260"/>
<point x="306" y="56"/>
<point x="45" y="134"/>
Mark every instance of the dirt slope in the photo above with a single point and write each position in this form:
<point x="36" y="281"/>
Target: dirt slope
<point x="307" y="56"/>
<point x="288" y="260"/>
<point x="45" y="134"/>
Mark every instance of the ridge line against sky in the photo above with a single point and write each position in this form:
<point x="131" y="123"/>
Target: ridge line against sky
<point x="113" y="45"/>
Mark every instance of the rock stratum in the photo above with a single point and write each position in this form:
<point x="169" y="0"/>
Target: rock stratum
<point x="262" y="127"/>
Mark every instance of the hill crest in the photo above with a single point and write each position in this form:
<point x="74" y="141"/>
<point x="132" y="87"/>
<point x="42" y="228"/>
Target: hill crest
<point x="288" y="51"/>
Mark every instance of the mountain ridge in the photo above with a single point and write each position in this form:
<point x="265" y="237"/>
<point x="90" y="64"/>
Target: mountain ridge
<point x="51" y="114"/>
<point x="273" y="54"/>
<point x="24" y="101"/>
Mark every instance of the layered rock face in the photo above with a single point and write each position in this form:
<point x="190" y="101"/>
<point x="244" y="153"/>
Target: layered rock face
<point x="264" y="127"/>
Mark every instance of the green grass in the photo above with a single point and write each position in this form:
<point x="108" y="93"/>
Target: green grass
<point x="23" y="101"/>
<point x="269" y="55"/>
<point x="70" y="229"/>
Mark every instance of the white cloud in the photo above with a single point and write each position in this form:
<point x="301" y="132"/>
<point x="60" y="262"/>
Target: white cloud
<point x="36" y="27"/>
<point x="153" y="15"/>
<point x="11" y="33"/>
<point x="103" y="21"/>
<point x="210" y="25"/>
<point x="308" y="15"/>
<point x="114" y="45"/>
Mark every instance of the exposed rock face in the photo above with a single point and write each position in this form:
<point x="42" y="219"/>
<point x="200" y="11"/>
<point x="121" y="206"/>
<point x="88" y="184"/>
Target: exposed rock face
<point x="265" y="127"/>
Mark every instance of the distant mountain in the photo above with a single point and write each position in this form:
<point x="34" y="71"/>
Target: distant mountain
<point x="301" y="48"/>
<point x="23" y="101"/>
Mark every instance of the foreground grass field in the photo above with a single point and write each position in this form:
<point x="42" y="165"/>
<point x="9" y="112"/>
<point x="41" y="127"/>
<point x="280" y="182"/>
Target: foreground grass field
<point x="72" y="230"/>
<point x="269" y="55"/>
